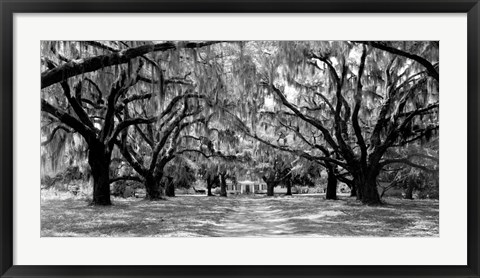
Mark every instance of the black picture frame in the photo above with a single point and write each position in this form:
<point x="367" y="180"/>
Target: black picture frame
<point x="9" y="7"/>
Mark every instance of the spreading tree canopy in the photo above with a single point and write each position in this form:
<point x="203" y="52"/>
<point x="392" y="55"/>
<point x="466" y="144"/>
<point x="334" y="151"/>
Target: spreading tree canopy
<point x="353" y="108"/>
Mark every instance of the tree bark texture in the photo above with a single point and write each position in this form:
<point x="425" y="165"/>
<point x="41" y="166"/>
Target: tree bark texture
<point x="366" y="184"/>
<point x="154" y="189"/>
<point x="289" y="187"/>
<point x="170" y="187"/>
<point x="99" y="161"/>
<point x="270" y="187"/>
<point x="223" y="185"/>
<point x="331" y="185"/>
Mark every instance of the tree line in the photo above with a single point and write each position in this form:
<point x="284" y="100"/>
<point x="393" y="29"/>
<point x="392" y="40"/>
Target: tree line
<point x="282" y="109"/>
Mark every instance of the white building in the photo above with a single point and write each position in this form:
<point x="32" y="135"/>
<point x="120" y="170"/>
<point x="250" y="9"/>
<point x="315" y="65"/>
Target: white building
<point x="247" y="187"/>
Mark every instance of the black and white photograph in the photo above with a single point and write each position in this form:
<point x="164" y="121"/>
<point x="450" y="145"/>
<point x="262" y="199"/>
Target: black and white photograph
<point x="239" y="139"/>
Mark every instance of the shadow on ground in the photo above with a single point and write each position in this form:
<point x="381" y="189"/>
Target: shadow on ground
<point x="260" y="216"/>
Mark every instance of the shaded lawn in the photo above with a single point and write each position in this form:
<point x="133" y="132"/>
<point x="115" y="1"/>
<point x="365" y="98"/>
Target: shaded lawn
<point x="239" y="216"/>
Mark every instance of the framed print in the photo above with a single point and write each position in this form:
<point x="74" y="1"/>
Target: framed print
<point x="239" y="138"/>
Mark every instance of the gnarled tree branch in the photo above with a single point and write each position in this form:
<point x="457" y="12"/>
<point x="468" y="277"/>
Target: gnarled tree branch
<point x="76" y="67"/>
<point x="432" y="71"/>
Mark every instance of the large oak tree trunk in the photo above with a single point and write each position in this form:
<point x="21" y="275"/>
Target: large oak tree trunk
<point x="209" y="189"/>
<point x="99" y="161"/>
<point x="370" y="193"/>
<point x="210" y="182"/>
<point x="270" y="186"/>
<point x="170" y="187"/>
<point x="223" y="185"/>
<point x="154" y="188"/>
<point x="331" y="185"/>
<point x="289" y="187"/>
<point x="366" y="185"/>
<point x="409" y="190"/>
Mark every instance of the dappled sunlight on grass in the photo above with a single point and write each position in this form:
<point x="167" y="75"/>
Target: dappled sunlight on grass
<point x="239" y="216"/>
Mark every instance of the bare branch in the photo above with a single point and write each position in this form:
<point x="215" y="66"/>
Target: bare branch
<point x="54" y="131"/>
<point x="407" y="162"/>
<point x="76" y="67"/>
<point x="82" y="115"/>
<point x="68" y="120"/>
<point x="299" y="152"/>
<point x="128" y="122"/>
<point x="306" y="118"/>
<point x="356" y="109"/>
<point x="124" y="178"/>
<point x="432" y="71"/>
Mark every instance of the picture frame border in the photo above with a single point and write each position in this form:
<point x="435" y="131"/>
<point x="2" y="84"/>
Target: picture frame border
<point x="9" y="7"/>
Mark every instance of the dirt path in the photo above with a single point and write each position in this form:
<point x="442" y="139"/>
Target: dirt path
<point x="253" y="217"/>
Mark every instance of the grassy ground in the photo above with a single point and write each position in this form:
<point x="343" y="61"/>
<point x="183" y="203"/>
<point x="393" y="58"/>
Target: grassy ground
<point x="241" y="216"/>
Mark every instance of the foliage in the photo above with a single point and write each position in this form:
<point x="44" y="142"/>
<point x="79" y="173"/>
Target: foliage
<point x="349" y="103"/>
<point x="150" y="111"/>
<point x="63" y="180"/>
<point x="183" y="171"/>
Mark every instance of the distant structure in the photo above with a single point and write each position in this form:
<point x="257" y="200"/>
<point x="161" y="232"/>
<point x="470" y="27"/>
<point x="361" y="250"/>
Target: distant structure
<point x="247" y="187"/>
